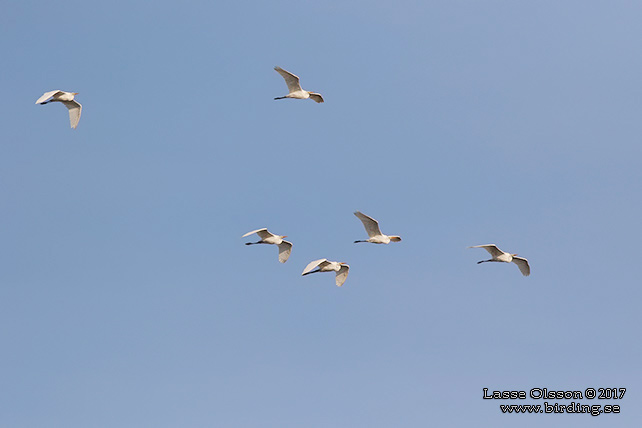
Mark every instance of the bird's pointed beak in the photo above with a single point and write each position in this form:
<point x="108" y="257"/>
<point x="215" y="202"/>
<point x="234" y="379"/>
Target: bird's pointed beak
<point x="284" y="236"/>
<point x="75" y="93"/>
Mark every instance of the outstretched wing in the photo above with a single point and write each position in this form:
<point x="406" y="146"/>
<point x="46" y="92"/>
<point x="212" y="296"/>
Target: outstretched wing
<point x="491" y="248"/>
<point x="254" y="231"/>
<point x="285" y="248"/>
<point x="263" y="233"/>
<point x="316" y="97"/>
<point x="342" y="275"/>
<point x="371" y="225"/>
<point x="313" y="265"/>
<point x="47" y="95"/>
<point x="523" y="266"/>
<point x="75" y="108"/>
<point x="290" y="79"/>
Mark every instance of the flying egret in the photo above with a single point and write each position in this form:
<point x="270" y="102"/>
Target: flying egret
<point x="295" y="87"/>
<point x="501" y="256"/>
<point x="285" y="247"/>
<point x="374" y="233"/>
<point x="67" y="98"/>
<point x="327" y="266"/>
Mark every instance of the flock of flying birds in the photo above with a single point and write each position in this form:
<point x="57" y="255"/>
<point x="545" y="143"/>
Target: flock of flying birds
<point x="374" y="237"/>
<point x="285" y="248"/>
<point x="324" y="265"/>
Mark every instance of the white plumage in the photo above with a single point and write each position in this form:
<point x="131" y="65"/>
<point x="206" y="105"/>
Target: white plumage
<point x="295" y="87"/>
<point x="374" y="233"/>
<point x="67" y="98"/>
<point x="502" y="256"/>
<point x="324" y="265"/>
<point x="285" y="247"/>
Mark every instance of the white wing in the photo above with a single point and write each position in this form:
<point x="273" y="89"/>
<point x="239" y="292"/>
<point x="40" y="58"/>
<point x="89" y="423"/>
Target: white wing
<point x="285" y="248"/>
<point x="263" y="233"/>
<point x="342" y="275"/>
<point x="313" y="265"/>
<point x="290" y="79"/>
<point x="254" y="231"/>
<point x="523" y="266"/>
<point x="491" y="248"/>
<point x="316" y="97"/>
<point x="75" y="108"/>
<point x="371" y="225"/>
<point x="47" y="95"/>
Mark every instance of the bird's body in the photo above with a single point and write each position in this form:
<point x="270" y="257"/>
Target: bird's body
<point x="285" y="247"/>
<point x="374" y="233"/>
<point x="504" y="257"/>
<point x="67" y="98"/>
<point x="295" y="87"/>
<point x="324" y="265"/>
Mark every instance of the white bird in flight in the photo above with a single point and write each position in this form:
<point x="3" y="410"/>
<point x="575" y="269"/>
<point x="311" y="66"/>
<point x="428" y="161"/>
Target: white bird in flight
<point x="501" y="256"/>
<point x="374" y="233"/>
<point x="295" y="87"/>
<point x="285" y="247"/>
<point x="327" y="266"/>
<point x="67" y="98"/>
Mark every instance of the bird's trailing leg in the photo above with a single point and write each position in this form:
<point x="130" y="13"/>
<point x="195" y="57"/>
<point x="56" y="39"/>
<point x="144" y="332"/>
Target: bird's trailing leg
<point x="280" y="98"/>
<point x="308" y="273"/>
<point x="484" y="261"/>
<point x="253" y="243"/>
<point x="359" y="241"/>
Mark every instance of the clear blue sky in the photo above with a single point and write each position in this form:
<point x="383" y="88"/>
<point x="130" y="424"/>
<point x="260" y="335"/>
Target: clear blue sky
<point x="127" y="297"/>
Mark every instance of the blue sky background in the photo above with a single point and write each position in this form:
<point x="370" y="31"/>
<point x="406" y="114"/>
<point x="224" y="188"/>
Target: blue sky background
<point x="127" y="297"/>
